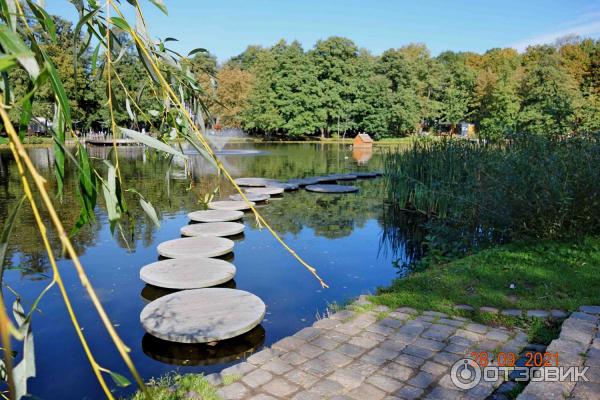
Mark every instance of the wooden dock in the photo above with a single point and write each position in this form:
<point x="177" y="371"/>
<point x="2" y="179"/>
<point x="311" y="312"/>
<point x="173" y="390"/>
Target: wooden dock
<point x="110" y="142"/>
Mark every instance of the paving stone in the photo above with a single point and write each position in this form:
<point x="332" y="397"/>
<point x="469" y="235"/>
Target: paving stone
<point x="238" y="369"/>
<point x="373" y="336"/>
<point x="380" y="329"/>
<point x="363" y="342"/>
<point x="399" y="315"/>
<point x="584" y="316"/>
<point x="326" y="388"/>
<point x="214" y="379"/>
<point x="590" y="309"/>
<point x="308" y="333"/>
<point x="428" y="344"/>
<point x="262" y="356"/>
<point x="512" y="312"/>
<point x="336" y="358"/>
<point x="440" y="393"/>
<point x="293" y="358"/>
<point x="489" y="310"/>
<point x="489" y="345"/>
<point x="385" y="383"/>
<point x="277" y="366"/>
<point x="288" y="343"/>
<point x="366" y="391"/>
<point x="280" y="387"/>
<point x="456" y="349"/>
<point x="452" y="322"/>
<point x="340" y="397"/>
<point x="538" y="313"/>
<point x="412" y="329"/>
<point x="586" y="391"/>
<point x="406" y="310"/>
<point x="461" y="341"/>
<point x="377" y="356"/>
<point x="362" y="368"/>
<point x="257" y="378"/>
<point x="422" y="380"/>
<point x="310" y="351"/>
<point x="263" y="397"/>
<point x="464" y="307"/>
<point x="326" y="323"/>
<point x="391" y="323"/>
<point x="438" y="332"/>
<point x="477" y="328"/>
<point x="318" y="367"/>
<point x="307" y="395"/>
<point x="409" y="393"/>
<point x="446" y="358"/>
<point x="544" y="391"/>
<point x="234" y="391"/>
<point x="397" y="371"/>
<point x="498" y="335"/>
<point x="428" y="318"/>
<point x="336" y="336"/>
<point x="419" y="352"/>
<point x="325" y="343"/>
<point x="301" y="378"/>
<point x="343" y="315"/>
<point x="381" y="308"/>
<point x="409" y="361"/>
<point x="433" y="368"/>
<point x="348" y="378"/>
<point x="351" y="350"/>
<point x="393" y="345"/>
<point x="348" y="329"/>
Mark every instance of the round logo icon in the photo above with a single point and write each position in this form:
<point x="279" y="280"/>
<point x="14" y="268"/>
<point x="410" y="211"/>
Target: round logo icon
<point x="465" y="374"/>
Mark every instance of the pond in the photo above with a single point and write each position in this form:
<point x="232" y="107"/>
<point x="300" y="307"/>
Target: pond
<point x="340" y="235"/>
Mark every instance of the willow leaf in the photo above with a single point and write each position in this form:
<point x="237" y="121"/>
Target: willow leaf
<point x="13" y="45"/>
<point x="150" y="211"/>
<point x="161" y="5"/>
<point x="151" y="142"/>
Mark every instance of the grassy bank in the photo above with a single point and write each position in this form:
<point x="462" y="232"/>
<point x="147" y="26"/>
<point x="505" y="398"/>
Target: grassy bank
<point x="546" y="275"/>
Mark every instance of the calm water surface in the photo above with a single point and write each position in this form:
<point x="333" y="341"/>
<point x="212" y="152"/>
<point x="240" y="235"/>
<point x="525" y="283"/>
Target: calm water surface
<point x="338" y="234"/>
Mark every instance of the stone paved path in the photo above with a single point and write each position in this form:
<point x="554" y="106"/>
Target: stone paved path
<point x="579" y="346"/>
<point x="370" y="355"/>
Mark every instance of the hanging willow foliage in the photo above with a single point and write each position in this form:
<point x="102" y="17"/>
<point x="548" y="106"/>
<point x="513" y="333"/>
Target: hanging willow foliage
<point x="177" y="113"/>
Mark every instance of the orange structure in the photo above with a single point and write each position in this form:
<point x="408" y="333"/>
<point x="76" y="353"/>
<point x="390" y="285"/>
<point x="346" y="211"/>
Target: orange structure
<point x="362" y="141"/>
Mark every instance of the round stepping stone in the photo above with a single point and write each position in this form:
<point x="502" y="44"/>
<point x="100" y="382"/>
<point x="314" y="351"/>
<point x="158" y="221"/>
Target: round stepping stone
<point x="254" y="182"/>
<point x="213" y="229"/>
<point x="215" y="215"/>
<point x="271" y="191"/>
<point x="202" y="315"/>
<point x="201" y="246"/>
<point x="251" y="197"/>
<point x="321" y="188"/>
<point x="229" y="205"/>
<point x="284" y="185"/>
<point x="304" y="181"/>
<point x="365" y="175"/>
<point x="339" y="177"/>
<point x="187" y="273"/>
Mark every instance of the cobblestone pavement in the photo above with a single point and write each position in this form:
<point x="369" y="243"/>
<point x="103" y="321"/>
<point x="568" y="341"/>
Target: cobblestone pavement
<point x="370" y="355"/>
<point x="578" y="346"/>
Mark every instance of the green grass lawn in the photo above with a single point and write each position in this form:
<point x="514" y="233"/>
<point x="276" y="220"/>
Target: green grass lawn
<point x="547" y="275"/>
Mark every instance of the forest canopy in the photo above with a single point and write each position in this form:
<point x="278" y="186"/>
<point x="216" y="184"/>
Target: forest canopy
<point x="338" y="88"/>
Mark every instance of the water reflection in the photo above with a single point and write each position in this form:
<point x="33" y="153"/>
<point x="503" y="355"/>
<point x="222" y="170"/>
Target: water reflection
<point x="204" y="354"/>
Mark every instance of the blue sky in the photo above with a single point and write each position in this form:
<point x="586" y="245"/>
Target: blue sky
<point x="226" y="27"/>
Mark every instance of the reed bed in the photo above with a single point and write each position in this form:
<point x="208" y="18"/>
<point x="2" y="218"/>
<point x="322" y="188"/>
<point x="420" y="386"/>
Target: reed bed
<point x="473" y="194"/>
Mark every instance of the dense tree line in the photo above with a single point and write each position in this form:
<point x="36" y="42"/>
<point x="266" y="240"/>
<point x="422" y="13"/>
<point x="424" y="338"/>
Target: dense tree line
<point x="338" y="88"/>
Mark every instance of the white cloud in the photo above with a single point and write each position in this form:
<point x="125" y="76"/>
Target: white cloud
<point x="591" y="29"/>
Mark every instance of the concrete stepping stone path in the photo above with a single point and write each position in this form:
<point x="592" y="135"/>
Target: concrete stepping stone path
<point x="323" y="188"/>
<point x="215" y="215"/>
<point x="201" y="246"/>
<point x="254" y="197"/>
<point x="230" y="205"/>
<point x="187" y="273"/>
<point x="213" y="229"/>
<point x="284" y="185"/>
<point x="304" y="181"/>
<point x="254" y="182"/>
<point x="271" y="191"/>
<point x="202" y="315"/>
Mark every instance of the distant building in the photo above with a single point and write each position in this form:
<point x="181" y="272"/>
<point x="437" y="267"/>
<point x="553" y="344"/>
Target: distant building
<point x="362" y="140"/>
<point x="467" y="130"/>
